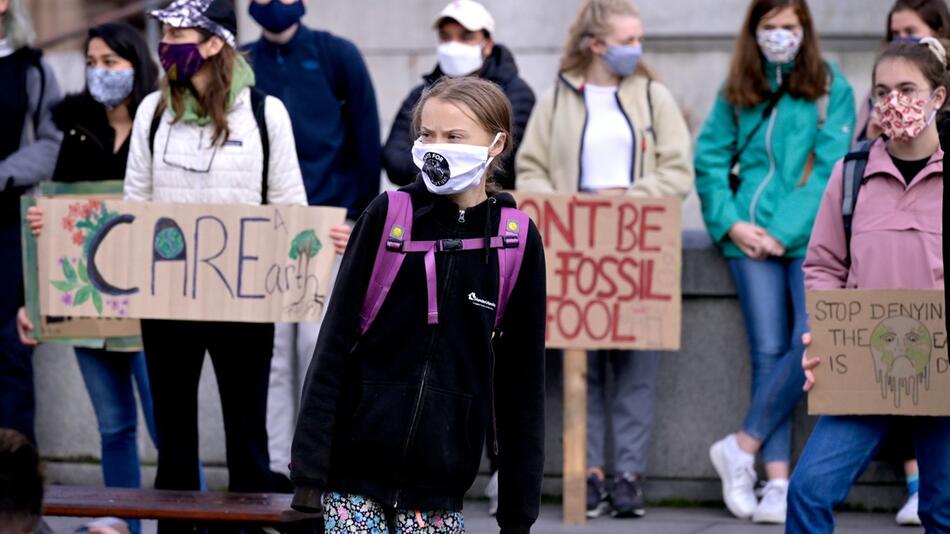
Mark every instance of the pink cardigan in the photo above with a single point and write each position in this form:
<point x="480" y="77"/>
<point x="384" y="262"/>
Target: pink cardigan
<point x="896" y="235"/>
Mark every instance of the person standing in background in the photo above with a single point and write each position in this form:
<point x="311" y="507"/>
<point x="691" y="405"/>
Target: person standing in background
<point x="466" y="32"/>
<point x="323" y="81"/>
<point x="97" y="124"/>
<point x="29" y="141"/>
<point x="911" y="21"/>
<point x="198" y="140"/>
<point x="763" y="158"/>
<point x="610" y="128"/>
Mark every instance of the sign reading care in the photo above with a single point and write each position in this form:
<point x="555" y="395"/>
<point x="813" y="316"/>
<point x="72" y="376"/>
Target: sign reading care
<point x="613" y="269"/>
<point x="882" y="352"/>
<point x="104" y="258"/>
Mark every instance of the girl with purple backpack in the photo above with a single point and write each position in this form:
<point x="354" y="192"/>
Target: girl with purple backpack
<point x="434" y="338"/>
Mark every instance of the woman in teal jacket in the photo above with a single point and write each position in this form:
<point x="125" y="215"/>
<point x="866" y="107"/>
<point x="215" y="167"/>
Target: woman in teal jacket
<point x="782" y="120"/>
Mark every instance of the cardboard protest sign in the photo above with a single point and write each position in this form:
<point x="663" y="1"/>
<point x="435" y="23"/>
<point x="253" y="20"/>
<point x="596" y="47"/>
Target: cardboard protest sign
<point x="882" y="352"/>
<point x="210" y="262"/>
<point x="613" y="269"/>
<point x="112" y="334"/>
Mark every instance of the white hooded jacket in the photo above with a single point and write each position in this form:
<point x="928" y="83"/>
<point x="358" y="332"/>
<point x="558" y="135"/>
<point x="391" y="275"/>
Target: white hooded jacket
<point x="185" y="167"/>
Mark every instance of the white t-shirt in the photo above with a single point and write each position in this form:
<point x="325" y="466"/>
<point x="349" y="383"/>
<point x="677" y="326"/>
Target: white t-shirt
<point x="5" y="48"/>
<point x="607" y="154"/>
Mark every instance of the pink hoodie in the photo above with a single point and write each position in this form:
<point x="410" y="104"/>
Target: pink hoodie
<point x="896" y="233"/>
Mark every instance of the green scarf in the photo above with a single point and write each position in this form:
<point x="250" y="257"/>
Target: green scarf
<point x="242" y="76"/>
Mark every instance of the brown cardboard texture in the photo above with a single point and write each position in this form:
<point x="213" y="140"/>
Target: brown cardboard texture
<point x="882" y="352"/>
<point x="103" y="258"/>
<point x="613" y="269"/>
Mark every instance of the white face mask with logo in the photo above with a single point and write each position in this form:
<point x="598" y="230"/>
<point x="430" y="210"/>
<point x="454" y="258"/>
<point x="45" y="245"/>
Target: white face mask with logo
<point x="458" y="59"/>
<point x="450" y="168"/>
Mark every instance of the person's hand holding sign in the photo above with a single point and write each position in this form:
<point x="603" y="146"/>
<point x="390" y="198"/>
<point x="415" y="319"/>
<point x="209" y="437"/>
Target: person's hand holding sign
<point x="34" y="218"/>
<point x="340" y="235"/>
<point x="808" y="363"/>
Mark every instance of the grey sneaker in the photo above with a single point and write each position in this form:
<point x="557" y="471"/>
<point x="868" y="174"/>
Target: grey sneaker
<point x="628" y="498"/>
<point x="598" y="500"/>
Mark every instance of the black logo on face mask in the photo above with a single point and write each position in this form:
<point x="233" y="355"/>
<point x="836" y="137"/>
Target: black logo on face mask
<point x="436" y="168"/>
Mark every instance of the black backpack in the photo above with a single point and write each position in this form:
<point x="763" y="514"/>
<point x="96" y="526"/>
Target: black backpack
<point x="258" y="98"/>
<point x="855" y="162"/>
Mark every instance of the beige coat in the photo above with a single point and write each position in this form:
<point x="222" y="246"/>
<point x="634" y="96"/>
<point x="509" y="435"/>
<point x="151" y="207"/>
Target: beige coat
<point x="549" y="157"/>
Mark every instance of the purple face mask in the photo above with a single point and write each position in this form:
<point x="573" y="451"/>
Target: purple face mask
<point x="180" y="61"/>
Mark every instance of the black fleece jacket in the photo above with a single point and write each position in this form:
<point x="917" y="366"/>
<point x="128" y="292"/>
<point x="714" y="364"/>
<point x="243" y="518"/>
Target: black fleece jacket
<point x="401" y="413"/>
<point x="499" y="68"/>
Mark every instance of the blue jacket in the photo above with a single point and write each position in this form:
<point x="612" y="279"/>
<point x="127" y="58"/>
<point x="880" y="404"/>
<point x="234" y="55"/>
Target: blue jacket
<point x="323" y="81"/>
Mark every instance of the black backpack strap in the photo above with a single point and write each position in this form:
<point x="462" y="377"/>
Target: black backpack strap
<point x="156" y="122"/>
<point x="38" y="63"/>
<point x="853" y="177"/>
<point x="258" y="99"/>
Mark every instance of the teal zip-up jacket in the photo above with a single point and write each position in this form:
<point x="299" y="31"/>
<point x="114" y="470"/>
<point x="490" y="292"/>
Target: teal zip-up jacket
<point x="774" y="191"/>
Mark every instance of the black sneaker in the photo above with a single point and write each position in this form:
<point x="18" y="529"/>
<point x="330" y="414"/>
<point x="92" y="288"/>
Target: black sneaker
<point x="628" y="496"/>
<point x="598" y="500"/>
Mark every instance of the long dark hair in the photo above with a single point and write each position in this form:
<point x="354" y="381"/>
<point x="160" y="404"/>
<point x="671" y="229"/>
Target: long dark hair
<point x="934" y="13"/>
<point x="748" y="85"/>
<point x="216" y="98"/>
<point x="127" y="42"/>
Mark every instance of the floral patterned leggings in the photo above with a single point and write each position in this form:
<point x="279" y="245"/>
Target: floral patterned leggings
<point x="344" y="514"/>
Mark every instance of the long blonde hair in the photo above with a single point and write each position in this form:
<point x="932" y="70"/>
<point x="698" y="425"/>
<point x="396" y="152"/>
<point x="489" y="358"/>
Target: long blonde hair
<point x="594" y="21"/>
<point x="17" y="25"/>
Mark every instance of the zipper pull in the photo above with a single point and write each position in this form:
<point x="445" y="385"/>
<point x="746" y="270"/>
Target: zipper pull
<point x="461" y="216"/>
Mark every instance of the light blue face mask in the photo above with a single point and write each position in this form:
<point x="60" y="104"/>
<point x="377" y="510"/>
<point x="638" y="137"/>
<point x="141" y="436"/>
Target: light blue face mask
<point x="623" y="60"/>
<point x="109" y="87"/>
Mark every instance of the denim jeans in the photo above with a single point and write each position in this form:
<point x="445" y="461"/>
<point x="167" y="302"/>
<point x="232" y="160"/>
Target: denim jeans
<point x="109" y="378"/>
<point x="838" y="451"/>
<point x="17" y="404"/>
<point x="772" y="295"/>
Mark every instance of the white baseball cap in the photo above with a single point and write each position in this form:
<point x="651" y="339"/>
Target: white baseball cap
<point x="470" y="14"/>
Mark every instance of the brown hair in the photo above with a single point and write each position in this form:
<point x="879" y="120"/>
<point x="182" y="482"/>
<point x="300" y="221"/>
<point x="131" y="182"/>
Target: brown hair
<point x="594" y="21"/>
<point x="21" y="483"/>
<point x="217" y="95"/>
<point x="934" y="13"/>
<point x="488" y="104"/>
<point x="925" y="57"/>
<point x="747" y="84"/>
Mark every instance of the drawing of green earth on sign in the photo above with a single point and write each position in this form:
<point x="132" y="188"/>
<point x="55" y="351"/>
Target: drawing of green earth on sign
<point x="901" y="349"/>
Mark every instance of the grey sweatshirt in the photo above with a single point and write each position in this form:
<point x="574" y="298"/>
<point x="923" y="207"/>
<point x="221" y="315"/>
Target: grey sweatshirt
<point x="36" y="158"/>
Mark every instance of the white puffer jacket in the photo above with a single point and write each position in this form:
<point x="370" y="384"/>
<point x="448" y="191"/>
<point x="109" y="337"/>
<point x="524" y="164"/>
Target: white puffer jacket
<point x="186" y="168"/>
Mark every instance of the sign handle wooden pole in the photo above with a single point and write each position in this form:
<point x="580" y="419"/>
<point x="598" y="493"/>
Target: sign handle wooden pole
<point x="575" y="437"/>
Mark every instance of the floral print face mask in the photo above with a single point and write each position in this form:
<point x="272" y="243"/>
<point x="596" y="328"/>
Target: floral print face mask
<point x="901" y="116"/>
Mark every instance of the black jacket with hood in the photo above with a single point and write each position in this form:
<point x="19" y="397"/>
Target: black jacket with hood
<point x="401" y="413"/>
<point x="500" y="68"/>
<point x="87" y="152"/>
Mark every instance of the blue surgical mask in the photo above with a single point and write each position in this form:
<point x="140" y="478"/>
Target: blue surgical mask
<point x="912" y="39"/>
<point x="623" y="60"/>
<point x="109" y="87"/>
<point x="277" y="16"/>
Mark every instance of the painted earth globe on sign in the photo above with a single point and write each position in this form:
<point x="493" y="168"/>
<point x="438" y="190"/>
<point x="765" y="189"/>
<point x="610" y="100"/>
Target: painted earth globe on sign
<point x="901" y="349"/>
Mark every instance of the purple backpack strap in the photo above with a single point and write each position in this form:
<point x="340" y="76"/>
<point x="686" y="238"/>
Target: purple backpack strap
<point x="513" y="230"/>
<point x="389" y="255"/>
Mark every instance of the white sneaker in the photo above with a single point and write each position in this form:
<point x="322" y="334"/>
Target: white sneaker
<point x="736" y="469"/>
<point x="907" y="516"/>
<point x="491" y="491"/>
<point x="774" y="503"/>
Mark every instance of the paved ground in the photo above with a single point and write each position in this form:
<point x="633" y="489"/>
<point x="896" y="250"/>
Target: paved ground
<point x="657" y="521"/>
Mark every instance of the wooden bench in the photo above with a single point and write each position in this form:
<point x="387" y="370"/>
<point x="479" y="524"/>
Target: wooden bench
<point x="198" y="506"/>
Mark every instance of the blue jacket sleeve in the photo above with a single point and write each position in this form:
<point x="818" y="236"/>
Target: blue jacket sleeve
<point x="715" y="147"/>
<point x="361" y="117"/>
<point x="795" y="214"/>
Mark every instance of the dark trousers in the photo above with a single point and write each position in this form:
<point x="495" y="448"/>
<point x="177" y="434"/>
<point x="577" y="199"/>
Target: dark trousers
<point x="17" y="404"/>
<point x="240" y="354"/>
